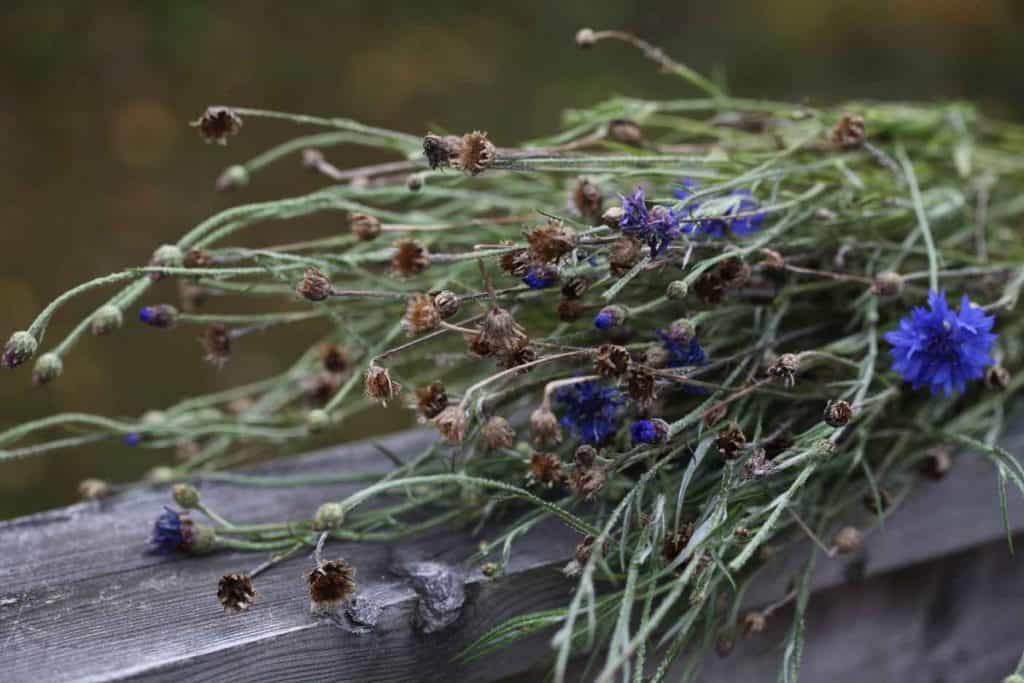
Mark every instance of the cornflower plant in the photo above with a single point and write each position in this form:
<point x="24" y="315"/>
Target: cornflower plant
<point x="689" y="329"/>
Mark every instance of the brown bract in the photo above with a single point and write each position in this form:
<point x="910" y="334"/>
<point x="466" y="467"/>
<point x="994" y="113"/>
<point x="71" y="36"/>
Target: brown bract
<point x="314" y="285"/>
<point x="421" y="315"/>
<point x="330" y="584"/>
<point x="410" y="257"/>
<point x="217" y="124"/>
<point x="235" y="592"/>
<point x="849" y="132"/>
<point x="475" y="154"/>
<point x="451" y="424"/>
<point x="379" y="386"/>
<point x="431" y="399"/>
<point x="545" y="469"/>
<point x="551" y="242"/>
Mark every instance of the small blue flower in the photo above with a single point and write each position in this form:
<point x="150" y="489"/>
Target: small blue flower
<point x="649" y="431"/>
<point x="540" y="278"/>
<point x="682" y="353"/>
<point x="171" y="531"/>
<point x="742" y="226"/>
<point x="634" y="209"/>
<point x="940" y="348"/>
<point x="132" y="439"/>
<point x="658" y="226"/>
<point x="147" y="314"/>
<point x="591" y="410"/>
<point x="717" y="228"/>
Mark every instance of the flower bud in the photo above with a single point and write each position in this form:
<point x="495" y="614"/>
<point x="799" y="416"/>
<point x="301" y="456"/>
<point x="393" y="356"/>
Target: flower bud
<point x="625" y="131"/>
<point x="888" y="283"/>
<point x="451" y="424"/>
<point x="498" y="433"/>
<point x="233" y="178"/>
<point x="364" y="226"/>
<point x="682" y="330"/>
<point x="609" y="317"/>
<point x="838" y="413"/>
<point x="317" y="421"/>
<point x="379" y="385"/>
<point x="997" y="377"/>
<point x="585" y="38"/>
<point x="612" y="216"/>
<point x="106" y="319"/>
<point x="48" y="367"/>
<point x="93" y="489"/>
<point x="847" y="540"/>
<point x="676" y="290"/>
<point x="314" y="285"/>
<point x="544" y="429"/>
<point x="185" y="495"/>
<point x="447" y="303"/>
<point x="166" y="256"/>
<point x="329" y="516"/>
<point x="649" y="431"/>
<point x="414" y="182"/>
<point x="162" y="316"/>
<point x="20" y="347"/>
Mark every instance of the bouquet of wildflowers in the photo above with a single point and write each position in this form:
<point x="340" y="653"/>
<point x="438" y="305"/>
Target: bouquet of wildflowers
<point x="689" y="329"/>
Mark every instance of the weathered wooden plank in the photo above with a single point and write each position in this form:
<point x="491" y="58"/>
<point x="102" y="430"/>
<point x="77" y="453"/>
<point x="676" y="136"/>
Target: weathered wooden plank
<point x="79" y="599"/>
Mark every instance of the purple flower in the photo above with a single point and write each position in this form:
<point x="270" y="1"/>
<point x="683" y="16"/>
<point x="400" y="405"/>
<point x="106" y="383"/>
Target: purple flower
<point x="649" y="431"/>
<point x="658" y="227"/>
<point x="591" y="410"/>
<point x="940" y="348"/>
<point x="681" y="353"/>
<point x="132" y="439"/>
<point x="171" y="531"/>
<point x="540" y="278"/>
<point x="717" y="228"/>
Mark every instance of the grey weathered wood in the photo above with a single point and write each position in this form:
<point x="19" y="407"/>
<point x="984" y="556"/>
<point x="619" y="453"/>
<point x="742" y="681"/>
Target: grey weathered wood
<point x="79" y="599"/>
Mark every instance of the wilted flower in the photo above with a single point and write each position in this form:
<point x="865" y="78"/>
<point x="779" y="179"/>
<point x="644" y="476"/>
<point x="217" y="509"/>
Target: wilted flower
<point x="498" y="433"/>
<point x="545" y="469"/>
<point x="475" y="154"/>
<point x="364" y="226"/>
<point x="314" y="285"/>
<point x="451" y="423"/>
<point x="431" y="399"/>
<point x="551" y="242"/>
<point x="410" y="257"/>
<point x="421" y="315"/>
<point x="330" y="584"/>
<point x="235" y="592"/>
<point x="217" y="124"/>
<point x="591" y="410"/>
<point x="379" y="385"/>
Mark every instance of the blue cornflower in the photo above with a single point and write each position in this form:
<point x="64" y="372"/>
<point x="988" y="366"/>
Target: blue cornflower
<point x="540" y="278"/>
<point x="658" y="227"/>
<point x="171" y="531"/>
<point x="681" y="353"/>
<point x="716" y="228"/>
<point x="635" y="214"/>
<point x="749" y="224"/>
<point x="591" y="410"/>
<point x="649" y="431"/>
<point x="609" y="317"/>
<point x="132" y="439"/>
<point x="940" y="348"/>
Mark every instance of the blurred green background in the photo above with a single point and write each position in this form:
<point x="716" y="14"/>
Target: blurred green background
<point x="100" y="165"/>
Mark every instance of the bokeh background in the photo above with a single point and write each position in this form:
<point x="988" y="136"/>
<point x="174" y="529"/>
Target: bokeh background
<point x="99" y="164"/>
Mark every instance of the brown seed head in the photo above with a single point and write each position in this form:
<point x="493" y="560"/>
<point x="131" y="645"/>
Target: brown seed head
<point x="785" y="368"/>
<point x="569" y="310"/>
<point x="217" y="124"/>
<point x="937" y="462"/>
<point x="753" y="622"/>
<point x="611" y="360"/>
<point x="314" y="285"/>
<point x="410" y="257"/>
<point x="364" y="226"/>
<point x="447" y="303"/>
<point x="625" y="131"/>
<point x="379" y="386"/>
<point x="235" y="592"/>
<point x="847" y="540"/>
<point x="421" y="315"/>
<point x="451" y="424"/>
<point x="500" y="332"/>
<point x="475" y="154"/>
<point x="997" y="377"/>
<point x="544" y="429"/>
<point x="498" y="433"/>
<point x="440" y="150"/>
<point x="517" y="358"/>
<point x="216" y="342"/>
<point x="731" y="441"/>
<point x="623" y="255"/>
<point x="575" y="287"/>
<point x="545" y="469"/>
<point x="640" y="386"/>
<point x="585" y="456"/>
<point x="849" y="132"/>
<point x="515" y="263"/>
<point x="93" y="489"/>
<point x="330" y="584"/>
<point x="888" y="283"/>
<point x="838" y="413"/>
<point x="551" y="242"/>
<point x="333" y="359"/>
<point x="431" y="399"/>
<point x="587" y="200"/>
<point x="587" y="482"/>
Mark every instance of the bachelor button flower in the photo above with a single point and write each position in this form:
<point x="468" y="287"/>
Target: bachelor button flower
<point x="748" y="219"/>
<point x="649" y="431"/>
<point x="540" y="278"/>
<point x="591" y="410"/>
<point x="658" y="227"/>
<point x="940" y="348"/>
<point x="170" y="531"/>
<point x="681" y="353"/>
<point x="132" y="439"/>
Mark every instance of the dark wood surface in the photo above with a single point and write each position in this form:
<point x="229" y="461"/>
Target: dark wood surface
<point x="80" y="599"/>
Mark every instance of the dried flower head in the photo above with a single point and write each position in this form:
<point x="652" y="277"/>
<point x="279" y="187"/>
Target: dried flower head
<point x="585" y="455"/>
<point x="569" y="310"/>
<point x="544" y="428"/>
<point x="421" y="315"/>
<point x="500" y="332"/>
<point x="235" y="592"/>
<point x="849" y="132"/>
<point x="330" y="584"/>
<point x="314" y="285"/>
<point x="587" y="201"/>
<point x="640" y="385"/>
<point x="785" y="368"/>
<point x="838" y="413"/>
<point x="587" y="482"/>
<point x="431" y="399"/>
<point x="451" y="424"/>
<point x="410" y="257"/>
<point x="551" y="242"/>
<point x="364" y="226"/>
<point x="217" y="124"/>
<point x="48" y="367"/>
<point x="731" y="441"/>
<point x="516" y="263"/>
<point x="93" y="489"/>
<point x="216" y="342"/>
<point x="623" y="255"/>
<point x="575" y="287"/>
<point x="625" y="131"/>
<point x="379" y="386"/>
<point x="498" y="433"/>
<point x="333" y="359"/>
<point x="475" y="155"/>
<point x="847" y="540"/>
<point x="611" y="360"/>
<point x="997" y="377"/>
<point x="937" y="463"/>
<point x="447" y="303"/>
<point x="545" y="469"/>
<point x="439" y="150"/>
<point x="162" y="316"/>
<point x="518" y="359"/>
<point x="753" y="622"/>
<point x="887" y="283"/>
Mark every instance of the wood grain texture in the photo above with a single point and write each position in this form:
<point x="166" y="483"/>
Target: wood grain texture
<point x="80" y="600"/>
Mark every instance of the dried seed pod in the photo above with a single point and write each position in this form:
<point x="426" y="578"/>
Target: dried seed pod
<point x="217" y="124"/>
<point x="585" y="456"/>
<point x="515" y="263"/>
<point x="611" y="360"/>
<point x="625" y="131"/>
<point x="838" y="413"/>
<point x="551" y="242"/>
<point x="439" y="150"/>
<point x="364" y="226"/>
<point x="500" y="332"/>
<point x="587" y="200"/>
<point x="623" y="255"/>
<point x="330" y="584"/>
<point x="216" y="342"/>
<point x="731" y="441"/>
<point x="498" y="433"/>
<point x="545" y="469"/>
<point x="431" y="399"/>
<point x="314" y="285"/>
<point x="447" y="303"/>
<point x="475" y="155"/>
<point x="421" y="315"/>
<point x="575" y="287"/>
<point x="849" y="132"/>
<point x="640" y="385"/>
<point x="451" y="424"/>
<point x="235" y="592"/>
<point x="785" y="368"/>
<point x="379" y="386"/>
<point x="587" y="482"/>
<point x="333" y="359"/>
<point x="544" y="429"/>
<point x="410" y="257"/>
<point x="847" y="540"/>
